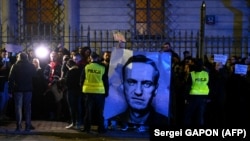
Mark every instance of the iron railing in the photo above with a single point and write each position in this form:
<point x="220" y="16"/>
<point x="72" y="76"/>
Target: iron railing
<point x="102" y="40"/>
<point x="181" y="41"/>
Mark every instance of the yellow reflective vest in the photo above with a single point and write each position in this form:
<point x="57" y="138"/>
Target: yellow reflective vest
<point x="93" y="82"/>
<point x="199" y="83"/>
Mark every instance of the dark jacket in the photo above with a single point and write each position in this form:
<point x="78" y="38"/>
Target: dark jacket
<point x="39" y="83"/>
<point x="48" y="73"/>
<point x="4" y="72"/>
<point x="21" y="75"/>
<point x="73" y="78"/>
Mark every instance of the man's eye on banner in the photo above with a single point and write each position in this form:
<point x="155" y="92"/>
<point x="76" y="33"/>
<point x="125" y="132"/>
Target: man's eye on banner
<point x="139" y="85"/>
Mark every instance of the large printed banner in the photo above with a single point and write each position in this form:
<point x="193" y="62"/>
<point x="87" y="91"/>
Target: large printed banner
<point x="117" y="102"/>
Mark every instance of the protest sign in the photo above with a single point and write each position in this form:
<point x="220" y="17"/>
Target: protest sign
<point x="240" y="69"/>
<point x="116" y="103"/>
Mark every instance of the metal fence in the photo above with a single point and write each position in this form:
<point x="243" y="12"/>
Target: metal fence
<point x="45" y="34"/>
<point x="102" y="40"/>
<point x="181" y="41"/>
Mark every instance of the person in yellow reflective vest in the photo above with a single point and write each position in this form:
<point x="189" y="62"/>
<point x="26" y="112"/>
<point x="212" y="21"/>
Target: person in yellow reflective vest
<point x="94" y="81"/>
<point x="197" y="91"/>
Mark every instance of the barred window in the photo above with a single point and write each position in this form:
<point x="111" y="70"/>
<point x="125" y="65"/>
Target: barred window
<point x="149" y="17"/>
<point x="37" y="14"/>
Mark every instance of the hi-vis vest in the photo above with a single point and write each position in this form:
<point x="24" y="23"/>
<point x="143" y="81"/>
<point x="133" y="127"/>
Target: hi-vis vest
<point x="93" y="82"/>
<point x="199" y="83"/>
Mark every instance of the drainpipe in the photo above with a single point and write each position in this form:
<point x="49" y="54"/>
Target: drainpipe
<point x="202" y="31"/>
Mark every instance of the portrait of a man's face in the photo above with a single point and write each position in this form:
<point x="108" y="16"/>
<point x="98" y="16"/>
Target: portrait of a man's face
<point x="138" y="84"/>
<point x="137" y="81"/>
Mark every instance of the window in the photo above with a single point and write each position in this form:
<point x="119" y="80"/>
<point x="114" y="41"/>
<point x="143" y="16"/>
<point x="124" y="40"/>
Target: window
<point x="39" y="11"/>
<point x="41" y="17"/>
<point x="149" y="17"/>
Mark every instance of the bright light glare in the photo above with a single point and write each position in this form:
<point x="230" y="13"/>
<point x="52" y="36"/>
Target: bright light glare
<point x="41" y="52"/>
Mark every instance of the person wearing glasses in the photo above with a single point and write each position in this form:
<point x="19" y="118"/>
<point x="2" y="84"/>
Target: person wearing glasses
<point x="140" y="81"/>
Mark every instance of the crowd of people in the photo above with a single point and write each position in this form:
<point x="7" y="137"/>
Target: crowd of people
<point x="223" y="103"/>
<point x="52" y="91"/>
<point x="73" y="85"/>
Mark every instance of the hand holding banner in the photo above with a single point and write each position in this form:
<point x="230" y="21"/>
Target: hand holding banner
<point x="118" y="36"/>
